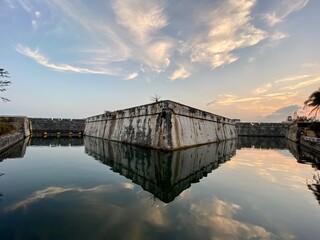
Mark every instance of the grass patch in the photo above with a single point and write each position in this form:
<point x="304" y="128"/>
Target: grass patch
<point x="6" y="128"/>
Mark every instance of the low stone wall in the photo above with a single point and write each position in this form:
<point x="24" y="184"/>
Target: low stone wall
<point x="262" y="129"/>
<point x="23" y="130"/>
<point x="163" y="125"/>
<point x="53" y="127"/>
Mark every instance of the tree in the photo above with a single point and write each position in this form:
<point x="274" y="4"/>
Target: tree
<point x="155" y="98"/>
<point x="315" y="186"/>
<point x="4" y="82"/>
<point x="314" y="102"/>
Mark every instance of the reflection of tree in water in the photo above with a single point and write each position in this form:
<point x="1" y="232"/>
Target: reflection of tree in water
<point x="314" y="186"/>
<point x="0" y="192"/>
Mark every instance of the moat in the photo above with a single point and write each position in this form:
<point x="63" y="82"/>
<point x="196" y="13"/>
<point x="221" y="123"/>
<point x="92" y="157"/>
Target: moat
<point x="88" y="188"/>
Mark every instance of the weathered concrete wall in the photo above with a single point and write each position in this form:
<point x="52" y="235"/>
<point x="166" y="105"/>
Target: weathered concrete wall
<point x="22" y="124"/>
<point x="163" y="125"/>
<point x="23" y="130"/>
<point x="262" y="129"/>
<point x="162" y="173"/>
<point x="292" y="133"/>
<point x="57" y="127"/>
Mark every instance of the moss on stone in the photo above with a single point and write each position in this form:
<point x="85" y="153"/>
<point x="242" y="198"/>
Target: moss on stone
<point x="6" y="128"/>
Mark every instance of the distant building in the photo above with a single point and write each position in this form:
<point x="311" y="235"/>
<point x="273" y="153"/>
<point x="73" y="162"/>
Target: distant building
<point x="236" y="120"/>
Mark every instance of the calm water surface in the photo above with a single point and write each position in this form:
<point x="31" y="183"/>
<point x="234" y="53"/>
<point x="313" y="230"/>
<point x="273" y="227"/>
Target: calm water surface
<point x="252" y="188"/>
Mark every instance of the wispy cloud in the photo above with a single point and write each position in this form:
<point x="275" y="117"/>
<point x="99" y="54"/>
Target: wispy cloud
<point x="283" y="9"/>
<point x="229" y="99"/>
<point x="51" y="192"/>
<point x="138" y="33"/>
<point x="219" y="217"/>
<point x="108" y="43"/>
<point x="230" y="28"/>
<point x="39" y="58"/>
<point x="181" y="72"/>
<point x="263" y="89"/>
<point x="30" y="9"/>
<point x="26" y="6"/>
<point x="132" y="76"/>
<point x="272" y="96"/>
<point x="290" y="83"/>
<point x="130" y="34"/>
<point x="140" y="18"/>
<point x="281" y="95"/>
<point x="278" y="36"/>
<point x="271" y="18"/>
<point x="303" y="84"/>
<point x="157" y="55"/>
<point x="143" y="21"/>
<point x="292" y="78"/>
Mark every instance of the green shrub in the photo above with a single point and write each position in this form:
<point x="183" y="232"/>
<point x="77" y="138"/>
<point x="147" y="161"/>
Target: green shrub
<point x="6" y="128"/>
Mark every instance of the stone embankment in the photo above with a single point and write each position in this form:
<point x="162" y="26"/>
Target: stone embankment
<point x="56" y="127"/>
<point x="163" y="125"/>
<point x="39" y="127"/>
<point x="262" y="129"/>
<point x="23" y="130"/>
<point x="298" y="132"/>
<point x="311" y="143"/>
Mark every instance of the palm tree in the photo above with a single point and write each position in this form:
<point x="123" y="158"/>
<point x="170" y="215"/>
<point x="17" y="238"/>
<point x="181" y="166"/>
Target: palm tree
<point x="315" y="186"/>
<point x="314" y="102"/>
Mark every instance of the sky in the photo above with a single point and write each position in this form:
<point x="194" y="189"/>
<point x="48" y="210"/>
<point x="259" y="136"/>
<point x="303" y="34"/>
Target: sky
<point x="254" y="60"/>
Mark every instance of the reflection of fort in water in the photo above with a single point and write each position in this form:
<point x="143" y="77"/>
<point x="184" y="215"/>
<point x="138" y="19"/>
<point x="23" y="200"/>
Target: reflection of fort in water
<point x="302" y="154"/>
<point x="19" y="149"/>
<point x="262" y="142"/>
<point x="16" y="151"/>
<point x="59" y="142"/>
<point x="167" y="174"/>
<point x="306" y="156"/>
<point x="164" y="174"/>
